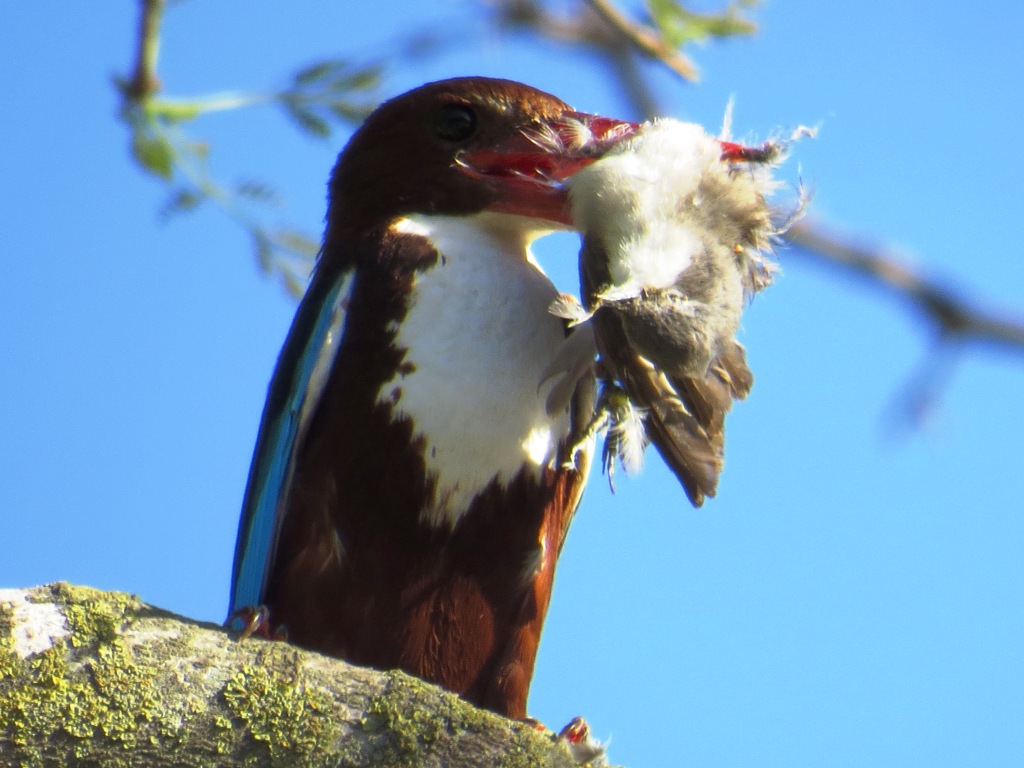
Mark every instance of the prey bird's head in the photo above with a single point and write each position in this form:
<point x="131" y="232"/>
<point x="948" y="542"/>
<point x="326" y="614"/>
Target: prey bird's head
<point x="464" y="146"/>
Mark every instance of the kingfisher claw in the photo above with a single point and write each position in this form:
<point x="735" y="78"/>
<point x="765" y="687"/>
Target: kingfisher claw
<point x="577" y="737"/>
<point x="256" y="622"/>
<point x="532" y="722"/>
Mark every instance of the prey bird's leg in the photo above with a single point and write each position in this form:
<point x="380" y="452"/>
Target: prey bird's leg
<point x="616" y="420"/>
<point x="596" y="426"/>
<point x="617" y="439"/>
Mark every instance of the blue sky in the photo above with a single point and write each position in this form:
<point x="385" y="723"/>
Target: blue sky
<point x="850" y="598"/>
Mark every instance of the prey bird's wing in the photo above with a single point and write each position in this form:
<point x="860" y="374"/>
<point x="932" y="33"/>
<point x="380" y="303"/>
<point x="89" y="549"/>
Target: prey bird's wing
<point x="685" y="416"/>
<point x="687" y="448"/>
<point x="295" y="389"/>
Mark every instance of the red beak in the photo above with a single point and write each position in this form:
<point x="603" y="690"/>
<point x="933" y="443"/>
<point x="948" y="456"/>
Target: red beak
<point x="767" y="153"/>
<point x="526" y="172"/>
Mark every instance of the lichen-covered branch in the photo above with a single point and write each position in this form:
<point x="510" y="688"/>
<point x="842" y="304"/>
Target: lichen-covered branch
<point x="101" y="678"/>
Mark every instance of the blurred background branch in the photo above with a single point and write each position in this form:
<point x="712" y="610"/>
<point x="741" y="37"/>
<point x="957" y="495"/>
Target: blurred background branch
<point x="341" y="91"/>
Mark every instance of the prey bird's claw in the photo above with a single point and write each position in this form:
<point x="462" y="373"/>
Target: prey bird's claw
<point x="595" y="427"/>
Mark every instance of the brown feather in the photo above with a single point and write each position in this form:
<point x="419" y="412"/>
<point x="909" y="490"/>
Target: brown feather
<point x="359" y="577"/>
<point x="366" y="564"/>
<point x="685" y="417"/>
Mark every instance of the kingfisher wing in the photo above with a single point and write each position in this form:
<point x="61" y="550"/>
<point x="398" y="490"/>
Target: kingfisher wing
<point x="298" y="381"/>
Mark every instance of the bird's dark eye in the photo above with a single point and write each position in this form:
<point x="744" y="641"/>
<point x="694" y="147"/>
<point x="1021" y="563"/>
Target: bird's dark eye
<point x="455" y="122"/>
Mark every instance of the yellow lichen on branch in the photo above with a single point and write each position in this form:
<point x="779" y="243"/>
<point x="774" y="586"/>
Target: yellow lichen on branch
<point x="103" y="678"/>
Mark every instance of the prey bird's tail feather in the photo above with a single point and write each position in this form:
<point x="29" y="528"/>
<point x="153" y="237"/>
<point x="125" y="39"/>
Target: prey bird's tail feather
<point x="685" y="417"/>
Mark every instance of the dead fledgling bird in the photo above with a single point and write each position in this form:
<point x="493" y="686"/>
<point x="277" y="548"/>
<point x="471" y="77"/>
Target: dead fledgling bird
<point x="677" y="237"/>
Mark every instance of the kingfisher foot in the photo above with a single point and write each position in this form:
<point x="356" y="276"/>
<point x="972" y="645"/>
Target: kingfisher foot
<point x="533" y="722"/>
<point x="582" y="746"/>
<point x="255" y="620"/>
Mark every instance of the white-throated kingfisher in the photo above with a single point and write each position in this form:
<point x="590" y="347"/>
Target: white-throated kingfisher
<point x="409" y="492"/>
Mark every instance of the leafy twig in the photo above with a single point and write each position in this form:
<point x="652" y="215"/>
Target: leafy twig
<point x="646" y="40"/>
<point x="329" y="91"/>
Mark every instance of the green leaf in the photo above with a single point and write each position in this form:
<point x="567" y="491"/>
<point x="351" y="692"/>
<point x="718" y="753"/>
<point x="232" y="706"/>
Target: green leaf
<point x="349" y="112"/>
<point x="316" y="72"/>
<point x="154" y="153"/>
<point x="338" y="75"/>
<point x="363" y="79"/>
<point x="680" y="26"/>
<point x="181" y="201"/>
<point x="292" y="283"/>
<point x="264" y="249"/>
<point x="171" y="111"/>
<point x="307" y="120"/>
<point x="258" y="191"/>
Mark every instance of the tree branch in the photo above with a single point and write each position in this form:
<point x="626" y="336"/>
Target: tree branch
<point x="955" y="318"/>
<point x="100" y="678"/>
<point x="619" y="43"/>
<point x="144" y="81"/>
<point x="646" y="41"/>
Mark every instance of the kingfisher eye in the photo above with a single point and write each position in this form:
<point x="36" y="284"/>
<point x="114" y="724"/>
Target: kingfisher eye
<point x="455" y="122"/>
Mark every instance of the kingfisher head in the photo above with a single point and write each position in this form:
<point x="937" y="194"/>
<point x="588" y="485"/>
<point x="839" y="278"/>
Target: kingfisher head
<point x="463" y="146"/>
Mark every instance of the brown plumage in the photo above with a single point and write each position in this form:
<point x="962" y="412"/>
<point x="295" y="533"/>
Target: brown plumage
<point x="409" y="493"/>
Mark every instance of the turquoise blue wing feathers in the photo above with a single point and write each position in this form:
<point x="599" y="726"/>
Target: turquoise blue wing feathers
<point x="295" y="389"/>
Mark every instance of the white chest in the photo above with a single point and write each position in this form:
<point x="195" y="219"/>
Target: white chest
<point x="479" y="337"/>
